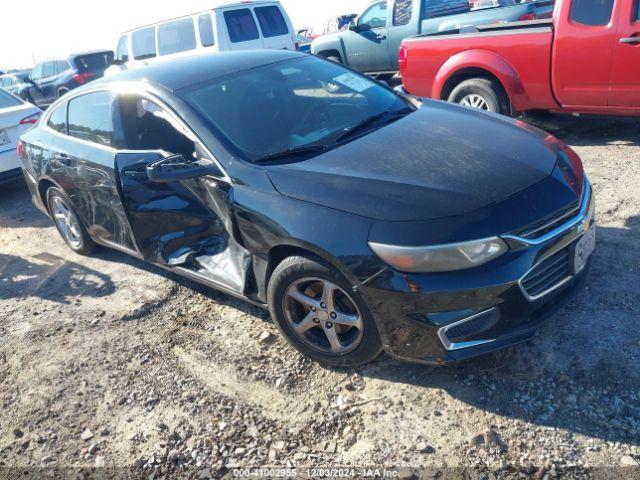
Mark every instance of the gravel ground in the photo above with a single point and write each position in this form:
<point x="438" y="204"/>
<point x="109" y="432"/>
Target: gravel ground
<point x="109" y="362"/>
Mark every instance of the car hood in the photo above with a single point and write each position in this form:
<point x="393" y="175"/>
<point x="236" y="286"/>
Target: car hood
<point x="440" y="161"/>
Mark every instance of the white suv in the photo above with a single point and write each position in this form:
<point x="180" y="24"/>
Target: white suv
<point x="244" y="25"/>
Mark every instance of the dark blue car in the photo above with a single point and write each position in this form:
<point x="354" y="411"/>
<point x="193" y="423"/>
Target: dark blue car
<point x="51" y="79"/>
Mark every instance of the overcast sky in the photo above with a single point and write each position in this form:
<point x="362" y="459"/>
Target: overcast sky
<point x="39" y="29"/>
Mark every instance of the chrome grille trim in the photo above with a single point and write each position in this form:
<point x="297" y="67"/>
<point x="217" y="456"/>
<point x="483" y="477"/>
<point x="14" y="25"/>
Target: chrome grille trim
<point x="577" y="221"/>
<point x="550" y="274"/>
<point x="448" y="345"/>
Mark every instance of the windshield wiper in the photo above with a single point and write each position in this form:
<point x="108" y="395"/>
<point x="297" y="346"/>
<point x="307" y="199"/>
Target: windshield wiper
<point x="366" y="123"/>
<point x="292" y="152"/>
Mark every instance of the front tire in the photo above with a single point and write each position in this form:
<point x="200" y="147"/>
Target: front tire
<point x="482" y="94"/>
<point x="68" y="222"/>
<point x="334" y="58"/>
<point x="320" y="315"/>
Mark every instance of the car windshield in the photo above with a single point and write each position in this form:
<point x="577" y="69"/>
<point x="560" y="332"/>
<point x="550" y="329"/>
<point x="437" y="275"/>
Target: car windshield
<point x="285" y="106"/>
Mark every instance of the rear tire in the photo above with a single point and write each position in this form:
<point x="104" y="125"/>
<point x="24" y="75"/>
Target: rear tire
<point x="483" y="94"/>
<point x="68" y="222"/>
<point x="343" y="332"/>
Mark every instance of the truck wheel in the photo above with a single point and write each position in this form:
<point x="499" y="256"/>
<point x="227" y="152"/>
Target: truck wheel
<point x="334" y="58"/>
<point x="483" y="94"/>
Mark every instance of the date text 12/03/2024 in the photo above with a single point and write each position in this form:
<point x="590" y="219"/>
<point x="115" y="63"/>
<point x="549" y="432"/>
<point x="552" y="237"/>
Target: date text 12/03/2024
<point x="317" y="472"/>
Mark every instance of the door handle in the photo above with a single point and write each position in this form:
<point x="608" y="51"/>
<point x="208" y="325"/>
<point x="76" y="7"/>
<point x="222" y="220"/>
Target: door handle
<point x="61" y="158"/>
<point x="630" y="40"/>
<point x="381" y="37"/>
<point x="136" y="174"/>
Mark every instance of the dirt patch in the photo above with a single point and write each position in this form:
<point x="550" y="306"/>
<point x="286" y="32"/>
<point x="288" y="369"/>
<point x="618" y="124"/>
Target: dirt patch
<point x="165" y="375"/>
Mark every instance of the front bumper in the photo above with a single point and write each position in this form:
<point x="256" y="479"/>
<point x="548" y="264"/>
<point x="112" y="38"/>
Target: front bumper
<point x="450" y="317"/>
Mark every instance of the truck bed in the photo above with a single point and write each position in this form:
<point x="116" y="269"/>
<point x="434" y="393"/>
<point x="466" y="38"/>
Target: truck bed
<point x="519" y="50"/>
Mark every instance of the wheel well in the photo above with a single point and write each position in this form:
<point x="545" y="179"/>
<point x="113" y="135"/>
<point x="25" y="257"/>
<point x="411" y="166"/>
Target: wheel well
<point x="43" y="187"/>
<point x="465" y="74"/>
<point x="330" y="53"/>
<point x="280" y="252"/>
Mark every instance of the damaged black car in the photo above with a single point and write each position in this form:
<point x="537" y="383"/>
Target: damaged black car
<point x="363" y="222"/>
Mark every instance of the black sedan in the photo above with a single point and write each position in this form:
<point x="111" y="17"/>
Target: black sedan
<point x="364" y="223"/>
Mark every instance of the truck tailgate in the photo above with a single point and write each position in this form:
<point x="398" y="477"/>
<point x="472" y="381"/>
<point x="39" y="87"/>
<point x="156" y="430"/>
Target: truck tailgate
<point x="523" y="48"/>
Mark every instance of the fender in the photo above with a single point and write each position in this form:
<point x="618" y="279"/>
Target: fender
<point x="330" y="42"/>
<point x="488" y="61"/>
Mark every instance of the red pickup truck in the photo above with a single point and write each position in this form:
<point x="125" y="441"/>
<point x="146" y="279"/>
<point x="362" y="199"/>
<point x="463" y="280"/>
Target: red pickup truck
<point x="585" y="60"/>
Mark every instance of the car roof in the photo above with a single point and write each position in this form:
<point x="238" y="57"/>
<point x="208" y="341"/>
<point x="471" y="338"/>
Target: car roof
<point x="215" y="6"/>
<point x="71" y="56"/>
<point x="183" y="72"/>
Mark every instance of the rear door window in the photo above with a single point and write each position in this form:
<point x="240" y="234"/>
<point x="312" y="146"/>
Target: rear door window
<point x="7" y="100"/>
<point x="272" y="22"/>
<point x="402" y="12"/>
<point x="205" y="27"/>
<point x="595" y="13"/>
<point x="91" y="118"/>
<point x="49" y="69"/>
<point x="176" y="37"/>
<point x="122" y="51"/>
<point x="144" y="43"/>
<point x="62" y="66"/>
<point x="637" y="14"/>
<point x="241" y="25"/>
<point x="36" y="73"/>
<point x="58" y="119"/>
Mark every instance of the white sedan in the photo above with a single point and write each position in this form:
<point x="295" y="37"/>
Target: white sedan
<point x="16" y="117"/>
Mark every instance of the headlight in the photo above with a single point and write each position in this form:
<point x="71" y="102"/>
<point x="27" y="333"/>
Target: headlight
<point x="440" y="258"/>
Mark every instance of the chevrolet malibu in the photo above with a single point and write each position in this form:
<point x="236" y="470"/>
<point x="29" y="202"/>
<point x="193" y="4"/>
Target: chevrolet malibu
<point x="362" y="222"/>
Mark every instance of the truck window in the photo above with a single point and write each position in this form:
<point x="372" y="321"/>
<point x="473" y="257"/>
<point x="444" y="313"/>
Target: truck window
<point x="205" y="25"/>
<point x="176" y="37"/>
<point x="591" y="12"/>
<point x="122" y="52"/>
<point x="637" y="11"/>
<point x="272" y="23"/>
<point x="374" y="17"/>
<point x="402" y="12"/>
<point x="241" y="26"/>
<point x="143" y="43"/>
<point x="443" y="8"/>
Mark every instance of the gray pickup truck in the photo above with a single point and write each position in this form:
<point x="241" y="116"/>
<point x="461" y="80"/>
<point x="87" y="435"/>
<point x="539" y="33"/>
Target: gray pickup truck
<point x="371" y="43"/>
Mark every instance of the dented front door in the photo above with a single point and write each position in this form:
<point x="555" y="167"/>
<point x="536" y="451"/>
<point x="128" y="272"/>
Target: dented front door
<point x="182" y="224"/>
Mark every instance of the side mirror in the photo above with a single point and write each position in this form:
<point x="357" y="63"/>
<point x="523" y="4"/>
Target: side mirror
<point x="117" y="61"/>
<point x="176" y="168"/>
<point x="28" y="80"/>
<point x="353" y="26"/>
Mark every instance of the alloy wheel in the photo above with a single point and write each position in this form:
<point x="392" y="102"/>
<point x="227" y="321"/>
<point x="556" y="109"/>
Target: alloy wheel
<point x="323" y="316"/>
<point x="474" y="100"/>
<point x="67" y="222"/>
